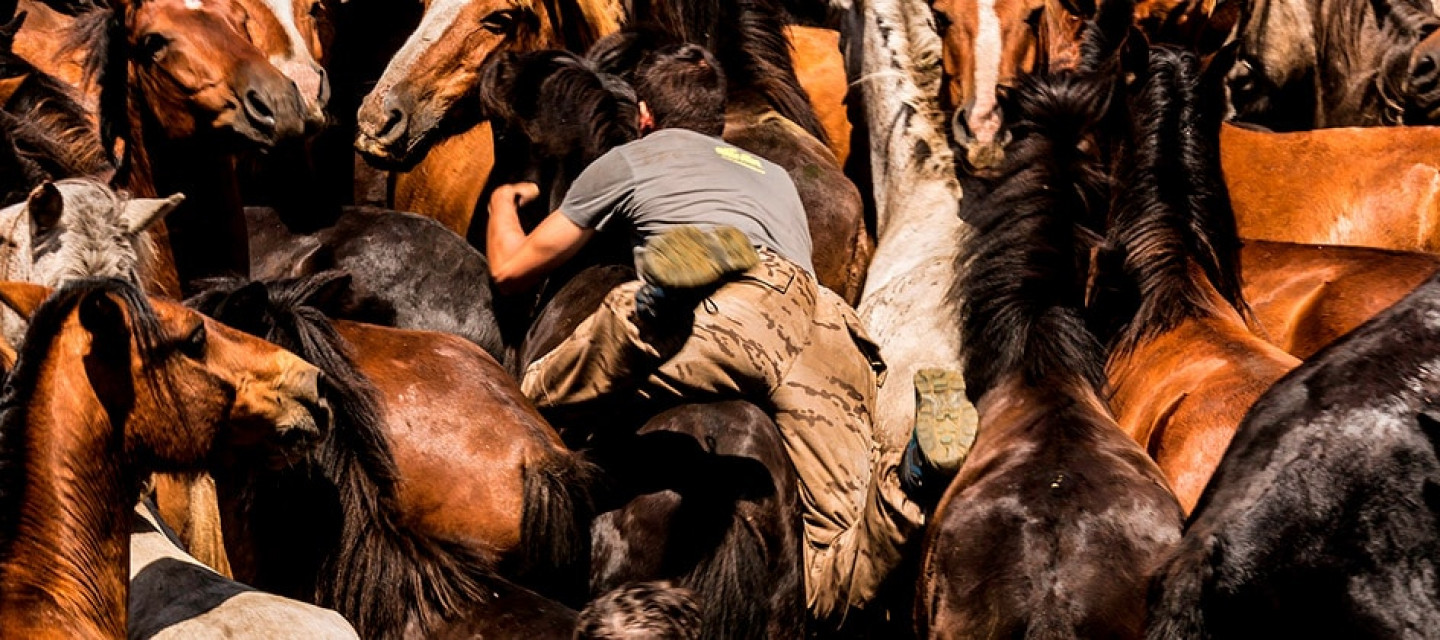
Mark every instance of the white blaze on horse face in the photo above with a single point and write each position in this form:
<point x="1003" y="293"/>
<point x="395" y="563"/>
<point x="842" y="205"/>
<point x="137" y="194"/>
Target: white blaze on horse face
<point x="194" y="5"/>
<point x="439" y="15"/>
<point x="984" y="115"/>
<point x="299" y="63"/>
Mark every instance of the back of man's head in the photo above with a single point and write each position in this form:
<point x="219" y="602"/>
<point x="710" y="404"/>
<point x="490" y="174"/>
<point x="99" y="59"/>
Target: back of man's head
<point x="683" y="87"/>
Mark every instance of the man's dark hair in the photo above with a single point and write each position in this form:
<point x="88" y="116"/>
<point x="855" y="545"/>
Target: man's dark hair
<point x="651" y="610"/>
<point x="684" y="88"/>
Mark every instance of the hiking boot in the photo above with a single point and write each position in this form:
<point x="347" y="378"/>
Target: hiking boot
<point x="689" y="257"/>
<point x="945" y="429"/>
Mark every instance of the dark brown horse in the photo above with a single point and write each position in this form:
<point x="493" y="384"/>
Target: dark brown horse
<point x="1306" y="64"/>
<point x="183" y="91"/>
<point x="1057" y="518"/>
<point x="1184" y="367"/>
<point x="738" y="542"/>
<point x="438" y="475"/>
<point x="108" y="387"/>
<point x="1320" y="521"/>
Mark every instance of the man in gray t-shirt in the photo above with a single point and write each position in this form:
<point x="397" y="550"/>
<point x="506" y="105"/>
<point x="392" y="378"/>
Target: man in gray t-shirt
<point x="718" y="224"/>
<point x="678" y="176"/>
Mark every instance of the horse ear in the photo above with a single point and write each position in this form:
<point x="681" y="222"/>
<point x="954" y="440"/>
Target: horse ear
<point x="23" y="297"/>
<point x="140" y="213"/>
<point x="102" y="316"/>
<point x="497" y="83"/>
<point x="46" y="205"/>
<point x="8" y="31"/>
<point x="333" y="293"/>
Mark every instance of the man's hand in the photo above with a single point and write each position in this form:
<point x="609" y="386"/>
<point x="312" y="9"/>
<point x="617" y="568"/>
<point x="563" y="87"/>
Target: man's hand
<point x="517" y="193"/>
<point x="518" y="260"/>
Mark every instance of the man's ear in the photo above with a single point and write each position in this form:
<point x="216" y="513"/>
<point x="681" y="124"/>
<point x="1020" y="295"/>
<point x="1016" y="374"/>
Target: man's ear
<point x="647" y="119"/>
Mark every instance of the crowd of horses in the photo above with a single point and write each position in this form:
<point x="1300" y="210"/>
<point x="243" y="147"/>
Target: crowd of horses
<point x="1182" y="434"/>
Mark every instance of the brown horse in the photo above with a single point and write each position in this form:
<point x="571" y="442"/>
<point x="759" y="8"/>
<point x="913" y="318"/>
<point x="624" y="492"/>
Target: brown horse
<point x="1184" y="367"/>
<point x="1056" y="519"/>
<point x="183" y="91"/>
<point x="1307" y="187"/>
<point x="1308" y="64"/>
<point x="1306" y="296"/>
<point x="109" y="387"/>
<point x="439" y="473"/>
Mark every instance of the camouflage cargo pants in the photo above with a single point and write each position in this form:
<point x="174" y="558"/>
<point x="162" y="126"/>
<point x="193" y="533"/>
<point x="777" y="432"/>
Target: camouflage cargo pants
<point x="776" y="338"/>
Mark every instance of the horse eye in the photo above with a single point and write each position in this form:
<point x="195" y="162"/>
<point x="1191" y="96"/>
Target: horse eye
<point x="499" y="22"/>
<point x="194" y="344"/>
<point x="152" y="45"/>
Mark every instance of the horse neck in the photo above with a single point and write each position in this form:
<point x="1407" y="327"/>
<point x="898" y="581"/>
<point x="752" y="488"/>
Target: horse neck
<point x="63" y="575"/>
<point x="1014" y="410"/>
<point x="210" y="219"/>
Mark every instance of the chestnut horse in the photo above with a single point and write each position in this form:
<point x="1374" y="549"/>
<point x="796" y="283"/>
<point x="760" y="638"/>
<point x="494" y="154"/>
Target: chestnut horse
<point x="109" y="387"/>
<point x="1307" y="187"/>
<point x="183" y="91"/>
<point x="1320" y="520"/>
<point x="1183" y="366"/>
<point x="1306" y="296"/>
<point x="380" y="524"/>
<point x="1057" y="518"/>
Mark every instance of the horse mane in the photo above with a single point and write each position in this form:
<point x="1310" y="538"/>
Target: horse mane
<point x="44" y="327"/>
<point x="1174" y="209"/>
<point x="565" y="105"/>
<point x="102" y="36"/>
<point x="48" y="132"/>
<point x="751" y="48"/>
<point x="1023" y="282"/>
<point x="425" y="581"/>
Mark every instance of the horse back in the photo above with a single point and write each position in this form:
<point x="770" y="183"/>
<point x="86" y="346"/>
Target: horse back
<point x="1051" y="529"/>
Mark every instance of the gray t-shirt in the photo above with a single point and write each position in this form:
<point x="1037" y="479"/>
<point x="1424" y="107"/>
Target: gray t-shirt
<point x="678" y="176"/>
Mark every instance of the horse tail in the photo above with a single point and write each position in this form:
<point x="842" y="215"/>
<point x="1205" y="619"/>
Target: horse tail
<point x="1023" y="279"/>
<point x="734" y="581"/>
<point x="555" y="523"/>
<point x="655" y="609"/>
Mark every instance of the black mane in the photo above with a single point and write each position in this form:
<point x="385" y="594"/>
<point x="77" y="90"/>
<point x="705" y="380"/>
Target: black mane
<point x="102" y="35"/>
<point x="20" y="384"/>
<point x="1173" y="211"/>
<point x="749" y="42"/>
<point x="425" y="581"/>
<point x="1023" y="284"/>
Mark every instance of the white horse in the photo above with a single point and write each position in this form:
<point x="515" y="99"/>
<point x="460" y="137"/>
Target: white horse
<point x="908" y="305"/>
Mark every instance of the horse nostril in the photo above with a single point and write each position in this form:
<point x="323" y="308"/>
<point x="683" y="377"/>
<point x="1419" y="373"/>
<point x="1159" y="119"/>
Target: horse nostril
<point x="395" y="124"/>
<point x="960" y="127"/>
<point x="1425" y="67"/>
<point x="258" y="110"/>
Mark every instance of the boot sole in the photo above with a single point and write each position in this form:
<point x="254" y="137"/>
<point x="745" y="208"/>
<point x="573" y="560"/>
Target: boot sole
<point x="946" y="423"/>
<point x="689" y="257"/>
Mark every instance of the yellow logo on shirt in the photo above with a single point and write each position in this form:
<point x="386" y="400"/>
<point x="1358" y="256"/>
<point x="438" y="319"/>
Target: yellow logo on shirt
<point x="741" y="158"/>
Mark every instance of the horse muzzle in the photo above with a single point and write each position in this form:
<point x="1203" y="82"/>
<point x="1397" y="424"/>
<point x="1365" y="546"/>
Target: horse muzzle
<point x="270" y="109"/>
<point x="980" y="155"/>
<point x="391" y="135"/>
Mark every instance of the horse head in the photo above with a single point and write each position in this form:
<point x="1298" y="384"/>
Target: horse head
<point x="191" y="72"/>
<point x="294" y="36"/>
<point x="438" y="67"/>
<point x="77" y="228"/>
<point x="988" y="45"/>
<point x="187" y="386"/>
